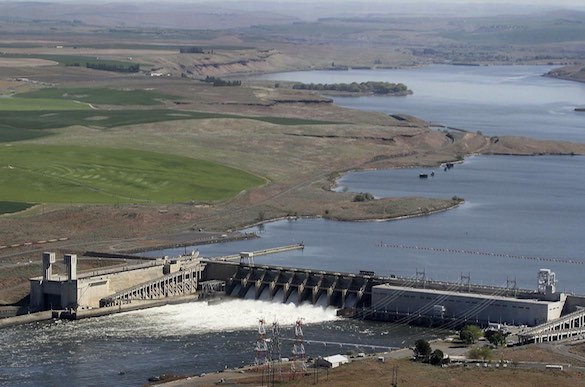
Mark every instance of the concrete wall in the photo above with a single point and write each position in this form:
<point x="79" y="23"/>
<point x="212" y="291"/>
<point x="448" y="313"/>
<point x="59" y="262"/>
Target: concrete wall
<point x="127" y="279"/>
<point x="464" y="305"/>
<point x="86" y="292"/>
<point x="221" y="271"/>
<point x="91" y="291"/>
<point x="574" y="302"/>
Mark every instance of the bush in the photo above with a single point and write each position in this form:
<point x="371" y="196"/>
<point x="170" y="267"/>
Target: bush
<point x="470" y="334"/>
<point x="496" y="338"/>
<point x="363" y="197"/>
<point x="437" y="357"/>
<point x="422" y="349"/>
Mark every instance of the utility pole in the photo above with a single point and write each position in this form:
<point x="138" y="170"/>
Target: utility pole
<point x="395" y="376"/>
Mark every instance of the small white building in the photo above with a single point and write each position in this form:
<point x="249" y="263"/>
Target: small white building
<point x="332" y="361"/>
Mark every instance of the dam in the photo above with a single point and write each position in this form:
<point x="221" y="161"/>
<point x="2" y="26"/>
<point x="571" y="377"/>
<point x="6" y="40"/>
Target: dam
<point x="365" y="295"/>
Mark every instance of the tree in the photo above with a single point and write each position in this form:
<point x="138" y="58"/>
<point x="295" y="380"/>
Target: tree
<point x="496" y="338"/>
<point x="470" y="334"/>
<point x="437" y="357"/>
<point x="422" y="349"/>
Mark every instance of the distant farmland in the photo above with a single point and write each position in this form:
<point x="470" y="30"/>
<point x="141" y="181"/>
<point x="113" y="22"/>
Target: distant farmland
<point x="67" y="174"/>
<point x="25" y="125"/>
<point x="105" y="96"/>
<point x="40" y="104"/>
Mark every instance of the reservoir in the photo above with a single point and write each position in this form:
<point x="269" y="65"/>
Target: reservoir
<point x="496" y="100"/>
<point x="515" y="206"/>
<point x="520" y="214"/>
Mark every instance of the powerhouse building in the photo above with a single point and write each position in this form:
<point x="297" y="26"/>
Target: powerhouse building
<point x="471" y="307"/>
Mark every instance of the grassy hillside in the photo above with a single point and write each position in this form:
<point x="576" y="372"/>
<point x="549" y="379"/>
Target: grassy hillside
<point x="19" y="125"/>
<point x="104" y="96"/>
<point x="67" y="174"/>
<point x="39" y="104"/>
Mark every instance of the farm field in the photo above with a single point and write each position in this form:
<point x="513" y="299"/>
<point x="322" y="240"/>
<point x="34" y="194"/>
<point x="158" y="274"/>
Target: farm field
<point x="104" y="96"/>
<point x="40" y="104"/>
<point x="62" y="174"/>
<point x="18" y="125"/>
<point x="71" y="60"/>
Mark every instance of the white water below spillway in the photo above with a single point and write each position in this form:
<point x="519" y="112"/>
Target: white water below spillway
<point x="200" y="317"/>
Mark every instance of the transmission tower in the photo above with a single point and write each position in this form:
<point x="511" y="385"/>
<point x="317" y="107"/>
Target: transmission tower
<point x="298" y="364"/>
<point x="466" y="280"/>
<point x="275" y="353"/>
<point x="261" y="347"/>
<point x="421" y="276"/>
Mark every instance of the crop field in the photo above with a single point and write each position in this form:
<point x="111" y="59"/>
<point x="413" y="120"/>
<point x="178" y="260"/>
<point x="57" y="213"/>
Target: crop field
<point x="103" y="96"/>
<point x="23" y="125"/>
<point x="71" y="60"/>
<point x="68" y="174"/>
<point x="40" y="104"/>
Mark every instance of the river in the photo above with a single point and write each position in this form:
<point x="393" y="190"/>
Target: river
<point x="520" y="214"/>
<point x="496" y="100"/>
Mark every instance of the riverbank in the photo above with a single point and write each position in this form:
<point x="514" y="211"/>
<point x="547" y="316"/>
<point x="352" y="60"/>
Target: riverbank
<point x="518" y="366"/>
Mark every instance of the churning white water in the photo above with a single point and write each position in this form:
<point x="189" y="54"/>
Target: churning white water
<point x="230" y="315"/>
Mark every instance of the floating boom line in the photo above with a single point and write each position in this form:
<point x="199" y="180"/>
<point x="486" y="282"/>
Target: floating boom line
<point x="482" y="253"/>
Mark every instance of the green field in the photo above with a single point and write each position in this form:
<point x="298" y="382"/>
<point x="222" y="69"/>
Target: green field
<point x="67" y="174"/>
<point x="71" y="60"/>
<point x="103" y="96"/>
<point x="24" y="125"/>
<point x="39" y="104"/>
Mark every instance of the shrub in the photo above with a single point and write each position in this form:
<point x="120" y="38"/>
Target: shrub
<point x="470" y="334"/>
<point x="437" y="357"/>
<point x="363" y="197"/>
<point x="422" y="349"/>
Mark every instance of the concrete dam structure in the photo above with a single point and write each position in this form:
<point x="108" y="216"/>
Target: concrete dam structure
<point x="419" y="301"/>
<point x="408" y="300"/>
<point x="290" y="285"/>
<point x="140" y="284"/>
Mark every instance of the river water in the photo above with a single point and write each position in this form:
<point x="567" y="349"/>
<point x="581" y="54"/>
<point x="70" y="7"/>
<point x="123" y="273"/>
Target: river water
<point x="497" y="100"/>
<point x="520" y="214"/>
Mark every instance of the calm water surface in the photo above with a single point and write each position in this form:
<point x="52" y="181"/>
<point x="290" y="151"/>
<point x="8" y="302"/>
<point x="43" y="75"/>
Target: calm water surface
<point x="520" y="206"/>
<point x="497" y="100"/>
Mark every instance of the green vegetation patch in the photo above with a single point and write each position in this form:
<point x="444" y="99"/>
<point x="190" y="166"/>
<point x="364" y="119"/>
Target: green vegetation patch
<point x="24" y="125"/>
<point x="68" y="174"/>
<point x="40" y="104"/>
<point x="74" y="60"/>
<point x="379" y="88"/>
<point x="103" y="96"/>
<point x="10" y="207"/>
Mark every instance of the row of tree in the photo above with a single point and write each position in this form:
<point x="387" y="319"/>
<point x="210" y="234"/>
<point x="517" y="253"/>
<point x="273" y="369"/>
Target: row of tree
<point x="354" y="87"/>
<point x="221" y="82"/>
<point x="191" y="50"/>
<point x="119" y="68"/>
